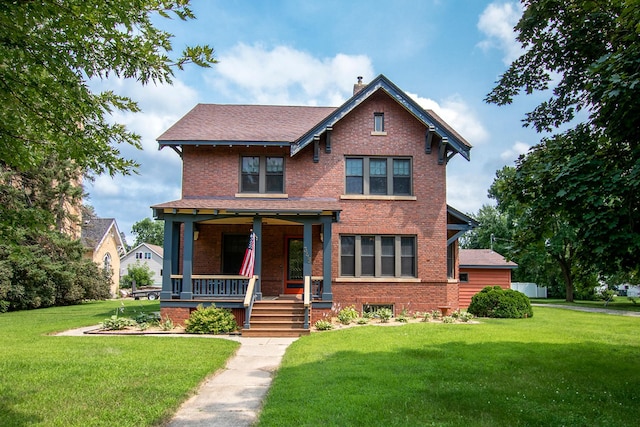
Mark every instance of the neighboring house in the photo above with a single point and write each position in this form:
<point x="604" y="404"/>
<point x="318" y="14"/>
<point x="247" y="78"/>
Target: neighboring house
<point x="351" y="200"/>
<point x="480" y="268"/>
<point x="103" y="244"/>
<point x="144" y="253"/>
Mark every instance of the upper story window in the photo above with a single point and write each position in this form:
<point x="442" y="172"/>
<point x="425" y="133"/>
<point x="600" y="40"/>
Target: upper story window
<point x="378" y="122"/>
<point x="378" y="176"/>
<point x="147" y="255"/>
<point x="262" y="174"/>
<point x="138" y="255"/>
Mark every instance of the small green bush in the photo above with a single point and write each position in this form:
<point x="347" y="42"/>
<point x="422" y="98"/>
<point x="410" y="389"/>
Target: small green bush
<point x="493" y="301"/>
<point x="210" y="320"/>
<point x="323" y="325"/>
<point x="384" y="314"/>
<point x="362" y="321"/>
<point x="448" y="319"/>
<point x="116" y="323"/>
<point x="347" y="315"/>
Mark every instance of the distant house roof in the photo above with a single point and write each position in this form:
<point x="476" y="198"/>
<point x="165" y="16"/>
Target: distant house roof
<point x="484" y="258"/>
<point x="95" y="230"/>
<point x="154" y="248"/>
<point x="296" y="126"/>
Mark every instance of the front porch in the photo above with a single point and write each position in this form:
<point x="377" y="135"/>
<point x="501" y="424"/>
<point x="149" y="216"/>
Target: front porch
<point x="204" y="249"/>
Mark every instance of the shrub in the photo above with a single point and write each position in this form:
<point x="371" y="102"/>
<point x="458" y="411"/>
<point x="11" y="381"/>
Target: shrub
<point x="323" y="325"/>
<point x="362" y="321"/>
<point x="140" y="273"/>
<point x="448" y="319"/>
<point x="347" y="315"/>
<point x="493" y="301"/>
<point x="116" y="323"/>
<point x="210" y="320"/>
<point x="384" y="314"/>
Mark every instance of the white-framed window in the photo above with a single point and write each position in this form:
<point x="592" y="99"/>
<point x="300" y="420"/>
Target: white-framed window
<point x="377" y="256"/>
<point x="378" y="176"/>
<point x="147" y="255"/>
<point x="262" y="174"/>
<point x="139" y="255"/>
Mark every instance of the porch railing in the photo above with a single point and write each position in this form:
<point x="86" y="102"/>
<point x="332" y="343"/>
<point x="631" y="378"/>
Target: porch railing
<point x="307" y="300"/>
<point x="212" y="286"/>
<point x="249" y="299"/>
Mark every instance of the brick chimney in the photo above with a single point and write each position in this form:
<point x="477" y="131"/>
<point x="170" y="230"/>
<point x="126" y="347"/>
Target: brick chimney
<point x="358" y="86"/>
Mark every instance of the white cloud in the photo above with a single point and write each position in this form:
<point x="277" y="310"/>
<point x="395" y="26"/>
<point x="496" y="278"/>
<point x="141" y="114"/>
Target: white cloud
<point x="128" y="198"/>
<point x="286" y="76"/>
<point x="496" y="22"/>
<point x="467" y="192"/>
<point x="457" y="114"/>
<point x="515" y="151"/>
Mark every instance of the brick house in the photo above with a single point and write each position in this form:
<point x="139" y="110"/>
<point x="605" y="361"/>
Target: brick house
<point x="480" y="268"/>
<point x="348" y="205"/>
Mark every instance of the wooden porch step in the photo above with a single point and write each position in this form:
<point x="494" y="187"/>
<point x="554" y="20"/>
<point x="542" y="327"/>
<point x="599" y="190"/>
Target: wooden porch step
<point x="276" y="318"/>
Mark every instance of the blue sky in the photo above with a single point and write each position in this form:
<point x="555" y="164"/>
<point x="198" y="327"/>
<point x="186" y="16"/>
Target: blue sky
<point x="447" y="54"/>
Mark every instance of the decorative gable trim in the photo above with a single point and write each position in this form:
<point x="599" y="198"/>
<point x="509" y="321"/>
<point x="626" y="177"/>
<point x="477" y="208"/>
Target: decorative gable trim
<point x="450" y="142"/>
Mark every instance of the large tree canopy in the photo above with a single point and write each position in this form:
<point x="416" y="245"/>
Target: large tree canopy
<point x="587" y="55"/>
<point x="148" y="231"/>
<point x="54" y="129"/>
<point x="50" y="49"/>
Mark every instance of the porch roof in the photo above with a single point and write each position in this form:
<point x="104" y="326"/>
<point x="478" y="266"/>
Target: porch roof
<point x="246" y="206"/>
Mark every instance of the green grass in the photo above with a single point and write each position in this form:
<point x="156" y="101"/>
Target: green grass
<point x="50" y="380"/>
<point x="558" y="368"/>
<point x="618" y="303"/>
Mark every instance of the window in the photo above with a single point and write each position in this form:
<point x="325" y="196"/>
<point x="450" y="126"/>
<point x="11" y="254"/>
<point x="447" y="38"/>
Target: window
<point x="147" y="255"/>
<point x="262" y="174"/>
<point x="377" y="256"/>
<point x="378" y="122"/>
<point x="106" y="262"/>
<point x="378" y="176"/>
<point x="138" y="255"/>
<point x="464" y="277"/>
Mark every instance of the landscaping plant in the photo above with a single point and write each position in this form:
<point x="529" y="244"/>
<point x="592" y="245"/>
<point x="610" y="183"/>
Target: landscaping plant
<point x="210" y="320"/>
<point x="493" y="301"/>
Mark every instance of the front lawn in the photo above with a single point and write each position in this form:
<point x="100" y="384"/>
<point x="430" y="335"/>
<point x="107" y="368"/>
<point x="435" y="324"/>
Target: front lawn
<point x="618" y="303"/>
<point x="50" y="380"/>
<point x="558" y="368"/>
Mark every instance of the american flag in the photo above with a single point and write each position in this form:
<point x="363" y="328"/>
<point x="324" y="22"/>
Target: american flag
<point x="249" y="257"/>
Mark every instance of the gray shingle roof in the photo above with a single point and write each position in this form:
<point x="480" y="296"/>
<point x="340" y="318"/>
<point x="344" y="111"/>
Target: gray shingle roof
<point x="483" y="258"/>
<point x="251" y="123"/>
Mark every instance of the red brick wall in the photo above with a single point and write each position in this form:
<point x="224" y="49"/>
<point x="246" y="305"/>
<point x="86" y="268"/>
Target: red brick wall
<point x="177" y="314"/>
<point x="214" y="172"/>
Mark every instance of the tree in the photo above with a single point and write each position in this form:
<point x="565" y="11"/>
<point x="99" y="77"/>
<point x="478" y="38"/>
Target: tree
<point x="54" y="129"/>
<point x="538" y="227"/>
<point x="50" y="50"/>
<point x="494" y="231"/>
<point x="138" y="272"/>
<point x="148" y="231"/>
<point x="590" y="52"/>
<point x="40" y="264"/>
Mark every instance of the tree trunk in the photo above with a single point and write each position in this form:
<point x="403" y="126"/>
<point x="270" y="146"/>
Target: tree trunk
<point x="568" y="279"/>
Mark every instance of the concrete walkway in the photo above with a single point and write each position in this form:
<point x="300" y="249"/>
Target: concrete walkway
<point x="233" y="397"/>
